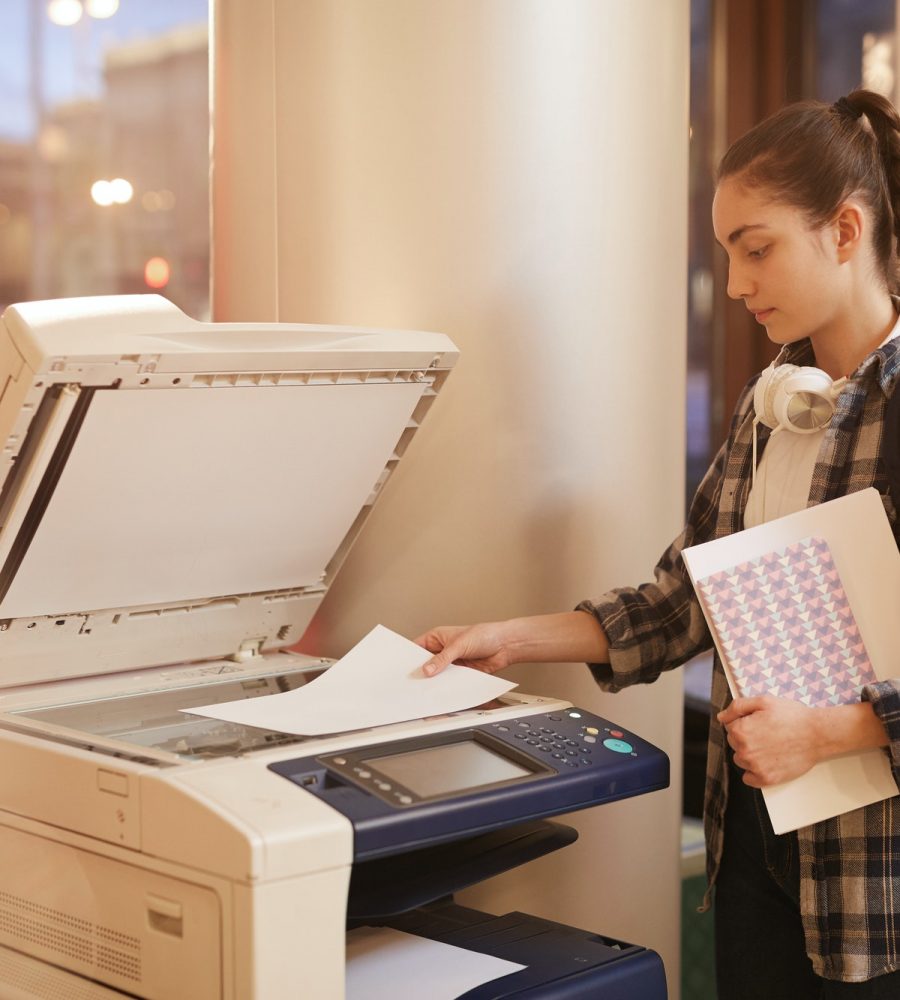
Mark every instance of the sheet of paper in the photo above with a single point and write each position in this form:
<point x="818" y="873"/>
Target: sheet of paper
<point x="865" y="554"/>
<point x="378" y="682"/>
<point x="383" y="964"/>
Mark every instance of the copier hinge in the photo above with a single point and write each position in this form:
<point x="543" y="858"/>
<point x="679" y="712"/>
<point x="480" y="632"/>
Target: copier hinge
<point x="249" y="650"/>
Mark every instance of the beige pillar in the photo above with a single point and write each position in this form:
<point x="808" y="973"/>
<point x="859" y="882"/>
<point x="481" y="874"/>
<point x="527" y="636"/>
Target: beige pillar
<point x="512" y="173"/>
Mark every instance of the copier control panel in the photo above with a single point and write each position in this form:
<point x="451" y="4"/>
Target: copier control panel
<point x="402" y="794"/>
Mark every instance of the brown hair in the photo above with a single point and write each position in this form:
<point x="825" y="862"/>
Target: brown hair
<point x="813" y="155"/>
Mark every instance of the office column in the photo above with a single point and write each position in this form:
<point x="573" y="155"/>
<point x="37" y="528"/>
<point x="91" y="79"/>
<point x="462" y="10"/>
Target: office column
<point x="512" y="173"/>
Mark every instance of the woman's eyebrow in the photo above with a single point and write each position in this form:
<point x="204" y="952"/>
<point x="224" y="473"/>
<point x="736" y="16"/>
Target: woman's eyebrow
<point x="739" y="232"/>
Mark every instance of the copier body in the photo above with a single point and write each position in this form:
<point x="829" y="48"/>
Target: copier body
<point x="176" y="498"/>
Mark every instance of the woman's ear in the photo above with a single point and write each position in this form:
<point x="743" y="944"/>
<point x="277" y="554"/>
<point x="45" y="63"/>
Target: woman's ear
<point x="849" y="227"/>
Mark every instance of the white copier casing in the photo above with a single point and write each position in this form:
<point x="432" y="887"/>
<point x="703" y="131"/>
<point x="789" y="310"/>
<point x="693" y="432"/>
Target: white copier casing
<point x="175" y="499"/>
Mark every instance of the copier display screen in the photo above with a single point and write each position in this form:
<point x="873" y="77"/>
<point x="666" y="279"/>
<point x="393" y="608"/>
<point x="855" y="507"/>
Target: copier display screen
<point x="452" y="767"/>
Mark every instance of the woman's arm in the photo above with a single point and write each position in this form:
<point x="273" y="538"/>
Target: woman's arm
<point x="776" y="739"/>
<point x="569" y="636"/>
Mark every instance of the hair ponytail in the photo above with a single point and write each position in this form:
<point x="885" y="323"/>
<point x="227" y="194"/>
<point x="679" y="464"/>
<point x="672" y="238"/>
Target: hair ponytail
<point x="885" y="125"/>
<point x="814" y="155"/>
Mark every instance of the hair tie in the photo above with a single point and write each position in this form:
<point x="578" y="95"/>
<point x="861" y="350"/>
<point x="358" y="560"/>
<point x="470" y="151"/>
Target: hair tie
<point x="844" y="107"/>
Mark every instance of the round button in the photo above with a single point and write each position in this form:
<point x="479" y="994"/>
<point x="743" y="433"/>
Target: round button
<point x="571" y="743"/>
<point x="521" y="736"/>
<point x="547" y="739"/>
<point x="574" y="715"/>
<point x="589" y="739"/>
<point x="364" y="774"/>
<point x="571" y="763"/>
<point x="591" y="730"/>
<point x="503" y="729"/>
<point x="586" y="760"/>
<point x="340" y="760"/>
<point x="555" y="718"/>
<point x="544" y="748"/>
<point x="571" y="753"/>
<point x="618" y="746"/>
<point x="524" y="725"/>
<point x="616" y="734"/>
<point x="559" y="756"/>
<point x="533" y="743"/>
<point x="383" y="785"/>
<point x="405" y="799"/>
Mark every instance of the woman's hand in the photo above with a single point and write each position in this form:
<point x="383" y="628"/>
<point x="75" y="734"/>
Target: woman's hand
<point x="565" y="637"/>
<point x="774" y="739"/>
<point x="478" y="646"/>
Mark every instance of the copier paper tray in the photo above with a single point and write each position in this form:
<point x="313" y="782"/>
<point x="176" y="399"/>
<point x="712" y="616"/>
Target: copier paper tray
<point x="562" y="963"/>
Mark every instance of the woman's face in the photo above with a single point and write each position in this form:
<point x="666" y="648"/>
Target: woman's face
<point x="787" y="273"/>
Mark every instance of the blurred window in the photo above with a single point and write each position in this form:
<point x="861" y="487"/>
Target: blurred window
<point x="855" y="45"/>
<point x="104" y="149"/>
<point x="700" y="343"/>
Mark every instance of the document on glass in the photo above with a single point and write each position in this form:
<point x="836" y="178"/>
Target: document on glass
<point x="380" y="681"/>
<point x="383" y="964"/>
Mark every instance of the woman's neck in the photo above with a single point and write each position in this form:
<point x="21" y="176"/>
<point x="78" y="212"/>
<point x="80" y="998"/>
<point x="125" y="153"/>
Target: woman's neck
<point x="841" y="349"/>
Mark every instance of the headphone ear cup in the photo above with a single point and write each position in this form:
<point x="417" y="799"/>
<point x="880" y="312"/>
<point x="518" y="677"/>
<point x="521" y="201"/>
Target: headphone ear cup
<point x="793" y="398"/>
<point x="765" y="392"/>
<point x="804" y="401"/>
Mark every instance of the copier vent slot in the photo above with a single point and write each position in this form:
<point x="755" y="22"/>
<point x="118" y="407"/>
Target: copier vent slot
<point x="69" y="937"/>
<point x="46" y="981"/>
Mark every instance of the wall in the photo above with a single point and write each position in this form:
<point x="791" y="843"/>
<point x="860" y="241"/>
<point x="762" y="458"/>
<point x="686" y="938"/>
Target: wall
<point x="512" y="173"/>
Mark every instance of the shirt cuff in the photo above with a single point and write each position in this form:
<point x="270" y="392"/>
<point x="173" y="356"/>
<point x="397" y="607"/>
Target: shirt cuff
<point x="884" y="697"/>
<point x="630" y="661"/>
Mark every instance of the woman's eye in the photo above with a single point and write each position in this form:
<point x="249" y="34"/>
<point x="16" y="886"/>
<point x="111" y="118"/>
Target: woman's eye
<point x="758" y="254"/>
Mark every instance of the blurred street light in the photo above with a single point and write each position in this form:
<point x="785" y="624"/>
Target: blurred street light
<point x="115" y="192"/>
<point x="68" y="12"/>
<point x="157" y="272"/>
<point x="101" y="9"/>
<point x="65" y="12"/>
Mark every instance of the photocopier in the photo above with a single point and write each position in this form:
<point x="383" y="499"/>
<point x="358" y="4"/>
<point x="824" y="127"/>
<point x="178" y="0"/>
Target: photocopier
<point x="176" y="497"/>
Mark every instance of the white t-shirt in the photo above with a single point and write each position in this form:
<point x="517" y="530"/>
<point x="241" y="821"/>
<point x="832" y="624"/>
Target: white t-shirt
<point x="785" y="471"/>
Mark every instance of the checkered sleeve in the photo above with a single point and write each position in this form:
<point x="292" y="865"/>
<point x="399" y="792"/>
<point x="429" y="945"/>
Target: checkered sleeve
<point x="884" y="696"/>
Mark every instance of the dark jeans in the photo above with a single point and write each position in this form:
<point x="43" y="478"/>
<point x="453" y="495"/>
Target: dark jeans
<point x="760" y="952"/>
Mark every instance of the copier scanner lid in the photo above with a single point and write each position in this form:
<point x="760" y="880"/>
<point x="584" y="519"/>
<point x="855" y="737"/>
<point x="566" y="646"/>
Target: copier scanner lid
<point x="175" y="490"/>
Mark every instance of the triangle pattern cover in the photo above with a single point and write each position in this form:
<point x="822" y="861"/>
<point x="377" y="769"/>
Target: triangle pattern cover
<point x="785" y="626"/>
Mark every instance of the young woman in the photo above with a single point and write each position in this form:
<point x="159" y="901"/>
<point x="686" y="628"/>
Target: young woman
<point x="807" y="208"/>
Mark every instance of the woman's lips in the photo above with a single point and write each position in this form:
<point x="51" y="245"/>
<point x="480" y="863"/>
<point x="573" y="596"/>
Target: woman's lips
<point x="761" y="315"/>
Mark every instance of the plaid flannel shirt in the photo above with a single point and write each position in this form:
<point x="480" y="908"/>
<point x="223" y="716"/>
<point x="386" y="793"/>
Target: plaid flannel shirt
<point x="849" y="865"/>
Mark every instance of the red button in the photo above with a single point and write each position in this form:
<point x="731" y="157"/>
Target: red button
<point x="616" y="734"/>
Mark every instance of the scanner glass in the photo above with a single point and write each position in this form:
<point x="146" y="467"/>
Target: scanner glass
<point x="152" y="720"/>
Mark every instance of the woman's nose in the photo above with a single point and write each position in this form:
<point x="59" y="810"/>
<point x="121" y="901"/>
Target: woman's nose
<point x="738" y="284"/>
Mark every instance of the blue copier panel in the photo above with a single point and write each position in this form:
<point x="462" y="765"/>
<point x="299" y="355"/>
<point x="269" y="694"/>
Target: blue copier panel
<point x="434" y="814"/>
<point x="423" y="790"/>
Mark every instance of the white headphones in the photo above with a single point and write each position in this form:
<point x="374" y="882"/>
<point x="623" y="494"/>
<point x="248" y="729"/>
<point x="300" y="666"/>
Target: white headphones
<point x="796" y="399"/>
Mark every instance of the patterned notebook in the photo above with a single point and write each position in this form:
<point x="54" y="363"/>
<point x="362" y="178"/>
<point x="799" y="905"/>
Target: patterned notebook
<point x="785" y="626"/>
